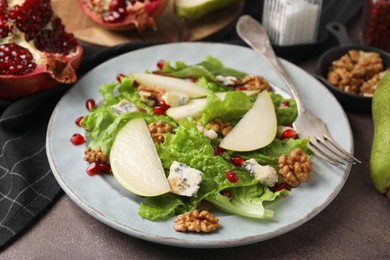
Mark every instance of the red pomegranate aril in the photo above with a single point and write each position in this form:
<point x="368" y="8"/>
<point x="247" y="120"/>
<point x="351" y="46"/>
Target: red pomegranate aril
<point x="5" y="25"/>
<point x="237" y="160"/>
<point x="240" y="88"/>
<point x="159" y="110"/>
<point x="119" y="77"/>
<point x="284" y="104"/>
<point x="163" y="104"/>
<point x="218" y="150"/>
<point x="226" y="193"/>
<point x="160" y="64"/>
<point x="105" y="168"/>
<point x="93" y="169"/>
<point x="280" y="186"/>
<point x="77" y="139"/>
<point x="90" y="104"/>
<point x="78" y="120"/>
<point x="288" y="134"/>
<point x="231" y="176"/>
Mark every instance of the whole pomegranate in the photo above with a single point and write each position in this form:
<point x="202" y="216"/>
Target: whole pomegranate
<point x="124" y="14"/>
<point x="36" y="53"/>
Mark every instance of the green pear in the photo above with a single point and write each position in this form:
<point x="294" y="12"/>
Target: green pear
<point x="195" y="9"/>
<point x="380" y="151"/>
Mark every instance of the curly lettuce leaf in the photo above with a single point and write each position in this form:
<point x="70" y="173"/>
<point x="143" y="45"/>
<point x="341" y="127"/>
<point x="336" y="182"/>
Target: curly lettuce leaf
<point x="286" y="114"/>
<point x="231" y="109"/>
<point x="247" y="201"/>
<point x="207" y="68"/>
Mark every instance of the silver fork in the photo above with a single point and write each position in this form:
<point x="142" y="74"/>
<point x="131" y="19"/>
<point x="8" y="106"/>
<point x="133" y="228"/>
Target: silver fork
<point x="307" y="124"/>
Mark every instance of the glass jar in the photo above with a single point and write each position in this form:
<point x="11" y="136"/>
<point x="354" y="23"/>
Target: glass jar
<point x="292" y="22"/>
<point x="376" y="29"/>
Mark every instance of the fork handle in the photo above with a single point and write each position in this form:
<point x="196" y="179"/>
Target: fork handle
<point x="256" y="37"/>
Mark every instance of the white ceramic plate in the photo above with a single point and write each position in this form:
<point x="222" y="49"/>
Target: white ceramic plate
<point x="108" y="202"/>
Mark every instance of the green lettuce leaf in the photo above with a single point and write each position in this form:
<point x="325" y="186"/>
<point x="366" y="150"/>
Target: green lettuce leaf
<point x="208" y="68"/>
<point x="247" y="201"/>
<point x="231" y="109"/>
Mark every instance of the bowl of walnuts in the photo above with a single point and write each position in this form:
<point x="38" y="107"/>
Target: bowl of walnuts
<point x="352" y="72"/>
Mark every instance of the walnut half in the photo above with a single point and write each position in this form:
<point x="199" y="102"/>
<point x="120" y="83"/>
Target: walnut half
<point x="254" y="83"/>
<point x="219" y="126"/>
<point x="196" y="221"/>
<point x="295" y="168"/>
<point x="157" y="131"/>
<point x="94" y="156"/>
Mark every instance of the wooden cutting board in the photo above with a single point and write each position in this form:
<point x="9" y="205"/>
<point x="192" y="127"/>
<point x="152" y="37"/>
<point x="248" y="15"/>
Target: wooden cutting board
<point x="168" y="25"/>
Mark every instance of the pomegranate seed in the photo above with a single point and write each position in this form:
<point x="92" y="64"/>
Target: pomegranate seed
<point x="119" y="77"/>
<point x="93" y="168"/>
<point x="163" y="104"/>
<point x="284" y="104"/>
<point x="279" y="187"/>
<point x="159" y="110"/>
<point x="240" y="88"/>
<point x="77" y="139"/>
<point x="218" y="150"/>
<point x="78" y="120"/>
<point x="105" y="168"/>
<point x="135" y="83"/>
<point x="226" y="193"/>
<point x="237" y="160"/>
<point x="288" y="134"/>
<point x="160" y="64"/>
<point x="231" y="176"/>
<point x="194" y="80"/>
<point x="90" y="104"/>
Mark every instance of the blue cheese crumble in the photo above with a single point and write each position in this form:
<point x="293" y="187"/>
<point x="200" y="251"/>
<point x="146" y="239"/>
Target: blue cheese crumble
<point x="267" y="175"/>
<point x="175" y="99"/>
<point x="123" y="106"/>
<point x="184" y="180"/>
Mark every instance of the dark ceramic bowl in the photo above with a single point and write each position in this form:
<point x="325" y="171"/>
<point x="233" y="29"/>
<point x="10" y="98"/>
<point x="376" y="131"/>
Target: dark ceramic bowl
<point x="350" y="102"/>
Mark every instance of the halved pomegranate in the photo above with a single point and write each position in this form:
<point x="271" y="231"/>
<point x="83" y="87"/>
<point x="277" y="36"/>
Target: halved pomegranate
<point x="36" y="53"/>
<point x="124" y="14"/>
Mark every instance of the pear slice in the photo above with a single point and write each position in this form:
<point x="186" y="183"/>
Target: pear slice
<point x="256" y="129"/>
<point x="194" y="107"/>
<point x="171" y="84"/>
<point x="195" y="9"/>
<point x="135" y="163"/>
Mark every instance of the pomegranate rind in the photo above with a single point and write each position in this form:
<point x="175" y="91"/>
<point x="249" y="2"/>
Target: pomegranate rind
<point x="16" y="87"/>
<point x="135" y="20"/>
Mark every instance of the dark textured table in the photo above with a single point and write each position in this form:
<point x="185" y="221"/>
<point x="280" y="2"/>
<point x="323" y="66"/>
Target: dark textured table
<point x="356" y="225"/>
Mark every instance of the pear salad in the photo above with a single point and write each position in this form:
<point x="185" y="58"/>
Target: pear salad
<point x="190" y="139"/>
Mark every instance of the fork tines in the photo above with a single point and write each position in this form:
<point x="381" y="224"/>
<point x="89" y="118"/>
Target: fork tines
<point x="327" y="149"/>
